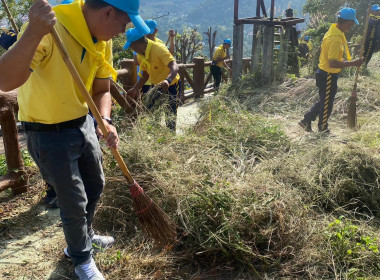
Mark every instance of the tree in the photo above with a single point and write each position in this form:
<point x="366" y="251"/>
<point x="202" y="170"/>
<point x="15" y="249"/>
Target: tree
<point x="19" y="10"/>
<point x="211" y="40"/>
<point x="187" y="45"/>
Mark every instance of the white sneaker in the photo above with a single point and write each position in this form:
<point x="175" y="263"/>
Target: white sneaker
<point x="88" y="271"/>
<point x="101" y="242"/>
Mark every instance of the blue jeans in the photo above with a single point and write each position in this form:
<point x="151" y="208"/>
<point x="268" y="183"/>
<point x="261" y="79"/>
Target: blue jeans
<point x="70" y="160"/>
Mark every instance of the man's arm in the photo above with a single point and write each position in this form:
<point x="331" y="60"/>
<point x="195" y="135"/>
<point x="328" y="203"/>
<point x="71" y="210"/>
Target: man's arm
<point x="345" y="64"/>
<point x="173" y="66"/>
<point x="102" y="98"/>
<point x="134" y="92"/>
<point x="15" y="63"/>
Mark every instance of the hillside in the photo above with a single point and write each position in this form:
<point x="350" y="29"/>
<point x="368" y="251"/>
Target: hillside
<point x="254" y="196"/>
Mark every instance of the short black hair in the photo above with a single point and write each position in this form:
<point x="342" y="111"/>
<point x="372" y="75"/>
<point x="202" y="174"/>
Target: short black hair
<point x="141" y="40"/>
<point x="98" y="4"/>
<point x="342" y="20"/>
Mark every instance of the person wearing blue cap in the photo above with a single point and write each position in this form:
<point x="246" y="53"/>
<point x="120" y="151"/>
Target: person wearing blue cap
<point x="218" y="61"/>
<point x="159" y="66"/>
<point x="152" y="24"/>
<point x="372" y="42"/>
<point x="334" y="46"/>
<point x="60" y="134"/>
<point x="7" y="38"/>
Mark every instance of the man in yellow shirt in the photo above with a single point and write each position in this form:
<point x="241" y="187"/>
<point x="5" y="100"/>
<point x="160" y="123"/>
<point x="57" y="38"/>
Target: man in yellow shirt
<point x="152" y="24"/>
<point x="218" y="60"/>
<point x="159" y="66"/>
<point x="331" y="62"/>
<point x="60" y="134"/>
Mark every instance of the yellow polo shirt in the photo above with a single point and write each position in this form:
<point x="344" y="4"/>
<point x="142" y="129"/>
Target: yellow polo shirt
<point x="50" y="95"/>
<point x="333" y="47"/>
<point x="155" y="62"/>
<point x="220" y="52"/>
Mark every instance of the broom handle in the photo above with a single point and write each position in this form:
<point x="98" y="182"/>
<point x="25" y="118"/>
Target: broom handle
<point x="10" y="16"/>
<point x="90" y="102"/>
<point x="362" y="47"/>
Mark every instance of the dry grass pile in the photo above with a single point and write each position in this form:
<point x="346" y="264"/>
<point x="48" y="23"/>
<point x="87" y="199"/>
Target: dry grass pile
<point x="250" y="203"/>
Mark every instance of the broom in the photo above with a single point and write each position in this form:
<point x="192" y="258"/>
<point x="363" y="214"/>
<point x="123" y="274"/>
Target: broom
<point x="351" y="114"/>
<point x="154" y="221"/>
<point x="10" y="16"/>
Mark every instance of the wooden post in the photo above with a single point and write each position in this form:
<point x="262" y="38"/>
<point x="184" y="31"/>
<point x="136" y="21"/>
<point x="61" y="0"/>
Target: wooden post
<point x="11" y="144"/>
<point x="256" y="48"/>
<point x="131" y="78"/>
<point x="237" y="62"/>
<point x="268" y="39"/>
<point x="236" y="10"/>
<point x="283" y="54"/>
<point x="272" y="10"/>
<point x="198" y="76"/>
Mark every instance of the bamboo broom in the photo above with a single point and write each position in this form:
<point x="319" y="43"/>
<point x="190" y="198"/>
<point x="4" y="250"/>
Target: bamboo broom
<point x="10" y="16"/>
<point x="351" y="114"/>
<point x="154" y="221"/>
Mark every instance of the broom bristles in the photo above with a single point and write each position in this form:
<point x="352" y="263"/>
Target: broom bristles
<point x="154" y="221"/>
<point x="351" y="115"/>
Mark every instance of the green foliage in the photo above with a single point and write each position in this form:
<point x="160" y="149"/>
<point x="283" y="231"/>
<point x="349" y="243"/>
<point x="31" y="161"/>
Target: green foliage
<point x="19" y="10"/>
<point x="351" y="248"/>
<point x="27" y="160"/>
<point x="118" y="50"/>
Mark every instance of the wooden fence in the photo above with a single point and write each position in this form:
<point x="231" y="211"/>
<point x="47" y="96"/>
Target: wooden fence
<point x="192" y="74"/>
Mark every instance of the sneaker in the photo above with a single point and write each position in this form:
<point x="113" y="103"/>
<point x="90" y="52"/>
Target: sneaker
<point x="51" y="202"/>
<point x="88" y="271"/>
<point x="101" y="242"/>
<point x="305" y="125"/>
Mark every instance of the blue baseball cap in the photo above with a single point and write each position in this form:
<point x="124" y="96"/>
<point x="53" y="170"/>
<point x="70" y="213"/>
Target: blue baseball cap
<point x="227" y="41"/>
<point x="152" y="24"/>
<point x="307" y="38"/>
<point x="131" y="7"/>
<point x="348" y="14"/>
<point x="132" y="34"/>
<point x="375" y="7"/>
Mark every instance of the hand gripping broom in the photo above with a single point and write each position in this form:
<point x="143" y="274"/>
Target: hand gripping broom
<point x="351" y="114"/>
<point x="154" y="221"/>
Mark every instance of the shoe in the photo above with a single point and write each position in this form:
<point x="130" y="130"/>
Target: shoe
<point x="88" y="271"/>
<point x="99" y="243"/>
<point x="325" y="131"/>
<point x="305" y="125"/>
<point x="51" y="202"/>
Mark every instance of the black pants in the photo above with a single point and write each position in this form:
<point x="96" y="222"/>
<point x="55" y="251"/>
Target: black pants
<point x="216" y="72"/>
<point x="328" y="86"/>
<point x="173" y="95"/>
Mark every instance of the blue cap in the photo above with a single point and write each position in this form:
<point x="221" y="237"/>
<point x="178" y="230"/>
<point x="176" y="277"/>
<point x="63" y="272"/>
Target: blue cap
<point x="131" y="7"/>
<point x="132" y="34"/>
<point x="227" y="41"/>
<point x="375" y="7"/>
<point x="348" y="14"/>
<point x="152" y="24"/>
<point x="307" y="38"/>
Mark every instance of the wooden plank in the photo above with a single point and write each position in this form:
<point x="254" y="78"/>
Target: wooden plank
<point x="256" y="48"/>
<point x="207" y="80"/>
<point x="275" y="22"/>
<point x="237" y="63"/>
<point x="272" y="10"/>
<point x="267" y="70"/>
<point x="188" y="78"/>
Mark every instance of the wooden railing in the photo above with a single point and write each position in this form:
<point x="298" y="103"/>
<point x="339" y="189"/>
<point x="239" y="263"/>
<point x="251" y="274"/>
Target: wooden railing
<point x="16" y="178"/>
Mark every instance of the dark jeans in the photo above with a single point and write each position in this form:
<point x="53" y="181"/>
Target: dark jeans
<point x="328" y="87"/>
<point x="70" y="160"/>
<point x="216" y="72"/>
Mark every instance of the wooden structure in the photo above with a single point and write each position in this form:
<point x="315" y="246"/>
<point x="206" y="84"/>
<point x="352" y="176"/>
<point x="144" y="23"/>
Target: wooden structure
<point x="263" y="41"/>
<point x="15" y="178"/>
